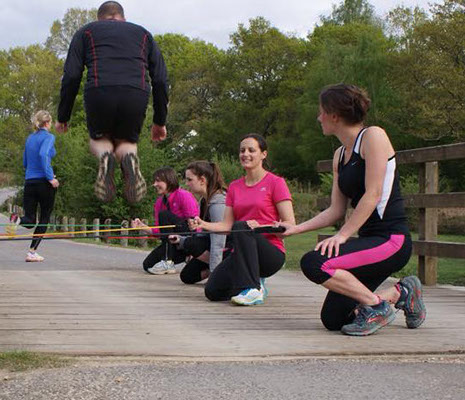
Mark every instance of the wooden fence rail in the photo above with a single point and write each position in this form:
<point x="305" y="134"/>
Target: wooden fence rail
<point x="428" y="201"/>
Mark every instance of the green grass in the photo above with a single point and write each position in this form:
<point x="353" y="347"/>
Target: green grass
<point x="25" y="360"/>
<point x="450" y="271"/>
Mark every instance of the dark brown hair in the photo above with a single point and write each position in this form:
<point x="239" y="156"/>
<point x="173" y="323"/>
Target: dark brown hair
<point x="261" y="144"/>
<point x="214" y="178"/>
<point x="167" y="175"/>
<point x="109" y="10"/>
<point x="349" y="102"/>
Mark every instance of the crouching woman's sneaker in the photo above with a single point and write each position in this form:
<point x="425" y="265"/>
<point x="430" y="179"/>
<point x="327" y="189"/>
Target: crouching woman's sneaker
<point x="411" y="301"/>
<point x="248" y="297"/>
<point x="370" y="319"/>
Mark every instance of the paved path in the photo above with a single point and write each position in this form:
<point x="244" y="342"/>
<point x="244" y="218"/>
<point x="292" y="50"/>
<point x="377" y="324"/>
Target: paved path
<point x="89" y="299"/>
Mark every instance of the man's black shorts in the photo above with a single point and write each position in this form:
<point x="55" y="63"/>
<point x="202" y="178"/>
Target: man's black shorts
<point x="116" y="112"/>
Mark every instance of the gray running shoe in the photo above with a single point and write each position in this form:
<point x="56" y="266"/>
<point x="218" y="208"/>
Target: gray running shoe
<point x="370" y="319"/>
<point x="104" y="187"/>
<point x="412" y="302"/>
<point x="135" y="187"/>
<point x="162" y="267"/>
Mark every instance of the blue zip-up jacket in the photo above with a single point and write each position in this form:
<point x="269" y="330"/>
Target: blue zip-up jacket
<point x="38" y="154"/>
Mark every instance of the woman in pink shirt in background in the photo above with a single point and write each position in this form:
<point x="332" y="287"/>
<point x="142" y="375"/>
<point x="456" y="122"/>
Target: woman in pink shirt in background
<point x="174" y="206"/>
<point x="257" y="199"/>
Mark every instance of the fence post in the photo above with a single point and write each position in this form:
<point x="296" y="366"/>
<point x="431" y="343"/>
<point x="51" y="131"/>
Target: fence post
<point x="96" y="227"/>
<point x="52" y="224"/>
<point x="143" y="242"/>
<point x="428" y="222"/>
<point x="64" y="224"/>
<point x="83" y="227"/>
<point x="107" y="225"/>
<point x="72" y="225"/>
<point x="124" y="232"/>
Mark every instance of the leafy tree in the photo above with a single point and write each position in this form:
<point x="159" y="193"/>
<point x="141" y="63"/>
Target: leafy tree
<point x="28" y="83"/>
<point x="194" y="69"/>
<point x="351" y="11"/>
<point x="429" y="74"/>
<point x="261" y="82"/>
<point x="401" y="23"/>
<point x="352" y="53"/>
<point x="62" y="31"/>
<point x="29" y="80"/>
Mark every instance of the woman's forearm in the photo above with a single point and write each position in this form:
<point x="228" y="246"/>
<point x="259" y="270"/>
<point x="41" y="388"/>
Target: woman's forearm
<point x="326" y="218"/>
<point x="222" y="226"/>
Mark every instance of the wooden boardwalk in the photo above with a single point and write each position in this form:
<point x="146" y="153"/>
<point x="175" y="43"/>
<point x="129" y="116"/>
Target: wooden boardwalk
<point x="95" y="300"/>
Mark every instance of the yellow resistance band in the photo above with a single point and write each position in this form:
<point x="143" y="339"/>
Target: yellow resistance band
<point x="90" y="231"/>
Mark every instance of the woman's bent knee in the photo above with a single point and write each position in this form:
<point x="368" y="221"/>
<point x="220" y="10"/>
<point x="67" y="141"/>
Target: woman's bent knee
<point x="189" y="278"/>
<point x="311" y="264"/>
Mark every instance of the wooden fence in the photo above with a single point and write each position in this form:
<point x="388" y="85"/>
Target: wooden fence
<point x="72" y="227"/>
<point x="428" y="201"/>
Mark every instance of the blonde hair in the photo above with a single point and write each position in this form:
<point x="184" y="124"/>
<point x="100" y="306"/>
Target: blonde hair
<point x="40" y="118"/>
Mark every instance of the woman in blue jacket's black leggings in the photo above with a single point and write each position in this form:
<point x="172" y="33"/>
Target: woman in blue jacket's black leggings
<point x="364" y="173"/>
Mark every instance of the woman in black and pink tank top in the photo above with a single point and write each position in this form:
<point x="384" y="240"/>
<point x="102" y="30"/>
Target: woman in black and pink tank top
<point x="364" y="173"/>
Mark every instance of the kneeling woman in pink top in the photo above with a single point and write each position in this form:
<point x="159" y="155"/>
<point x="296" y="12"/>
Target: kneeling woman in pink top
<point x="259" y="198"/>
<point x="173" y="207"/>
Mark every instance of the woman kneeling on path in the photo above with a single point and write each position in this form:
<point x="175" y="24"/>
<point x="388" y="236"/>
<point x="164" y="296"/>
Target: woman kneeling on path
<point x="173" y="207"/>
<point x="259" y="198"/>
<point x="203" y="179"/>
<point x="364" y="172"/>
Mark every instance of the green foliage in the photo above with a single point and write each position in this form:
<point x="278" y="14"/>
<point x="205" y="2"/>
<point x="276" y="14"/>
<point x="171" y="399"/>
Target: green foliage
<point x="28" y="81"/>
<point x="62" y="31"/>
<point x="326" y="183"/>
<point x="229" y="167"/>
<point x="351" y="11"/>
<point x="429" y="73"/>
<point x="266" y="82"/>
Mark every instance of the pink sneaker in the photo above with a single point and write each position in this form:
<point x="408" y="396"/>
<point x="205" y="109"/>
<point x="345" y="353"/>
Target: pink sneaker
<point x="34" y="257"/>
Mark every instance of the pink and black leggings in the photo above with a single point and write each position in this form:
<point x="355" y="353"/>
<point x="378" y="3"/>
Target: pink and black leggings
<point x="371" y="259"/>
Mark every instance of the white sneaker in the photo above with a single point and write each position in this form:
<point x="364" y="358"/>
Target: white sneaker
<point x="170" y="267"/>
<point x="162" y="267"/>
<point x="248" y="297"/>
<point x="34" y="257"/>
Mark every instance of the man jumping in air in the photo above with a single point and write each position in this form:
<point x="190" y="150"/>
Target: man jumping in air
<point x="117" y="55"/>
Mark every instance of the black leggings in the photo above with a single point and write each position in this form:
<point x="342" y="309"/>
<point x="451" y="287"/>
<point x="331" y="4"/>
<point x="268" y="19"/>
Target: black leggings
<point x="166" y="250"/>
<point x="370" y="259"/>
<point x="253" y="257"/>
<point x="37" y="193"/>
<point x="195" y="246"/>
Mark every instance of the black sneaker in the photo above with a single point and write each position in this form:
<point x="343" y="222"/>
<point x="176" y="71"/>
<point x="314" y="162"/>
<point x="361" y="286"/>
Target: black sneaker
<point x="104" y="187"/>
<point x="135" y="187"/>
<point x="369" y="319"/>
<point x="411" y="301"/>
